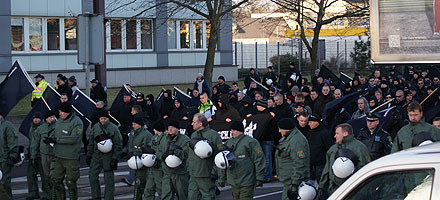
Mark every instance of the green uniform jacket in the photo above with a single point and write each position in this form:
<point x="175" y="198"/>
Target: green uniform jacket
<point x="348" y="142"/>
<point x="37" y="144"/>
<point x="68" y="133"/>
<point x="181" y="141"/>
<point x="136" y="140"/>
<point x="198" y="167"/>
<point x="110" y="130"/>
<point x="155" y="144"/>
<point x="405" y="135"/>
<point x="292" y="158"/>
<point x="8" y="140"/>
<point x="33" y="136"/>
<point x="249" y="164"/>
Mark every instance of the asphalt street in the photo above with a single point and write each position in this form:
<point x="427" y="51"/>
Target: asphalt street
<point x="123" y="191"/>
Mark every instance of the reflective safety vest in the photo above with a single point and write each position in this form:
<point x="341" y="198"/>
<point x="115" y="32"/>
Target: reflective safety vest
<point x="38" y="93"/>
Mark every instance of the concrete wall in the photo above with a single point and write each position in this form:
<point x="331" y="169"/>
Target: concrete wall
<point x="45" y="7"/>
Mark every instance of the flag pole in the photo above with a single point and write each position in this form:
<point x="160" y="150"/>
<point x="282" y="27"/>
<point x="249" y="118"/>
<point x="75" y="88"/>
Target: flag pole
<point x="259" y="84"/>
<point x="429" y="96"/>
<point x="371" y="111"/>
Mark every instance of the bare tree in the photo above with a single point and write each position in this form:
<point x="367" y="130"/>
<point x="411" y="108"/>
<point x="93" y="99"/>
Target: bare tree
<point x="315" y="14"/>
<point x="212" y="10"/>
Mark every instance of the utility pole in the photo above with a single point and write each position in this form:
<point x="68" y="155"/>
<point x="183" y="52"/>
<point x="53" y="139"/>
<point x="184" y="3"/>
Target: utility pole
<point x="101" y="70"/>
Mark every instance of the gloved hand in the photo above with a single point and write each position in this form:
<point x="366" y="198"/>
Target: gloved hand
<point x="214" y="176"/>
<point x="221" y="183"/>
<point x="322" y="194"/>
<point x="88" y="160"/>
<point x="101" y="137"/>
<point x="148" y="150"/>
<point x="34" y="162"/>
<point x="259" y="183"/>
<point x="129" y="155"/>
<point x="173" y="147"/>
<point x="49" y="140"/>
<point x="165" y="155"/>
<point x="114" y="164"/>
<point x="292" y="192"/>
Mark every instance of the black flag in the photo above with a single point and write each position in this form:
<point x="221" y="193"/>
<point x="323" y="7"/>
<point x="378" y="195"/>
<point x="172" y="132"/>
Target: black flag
<point x="159" y="99"/>
<point x="14" y="87"/>
<point x="119" y="99"/>
<point x="184" y="98"/>
<point x="335" y="106"/>
<point x="326" y="73"/>
<point x="345" y="78"/>
<point x="51" y="99"/>
<point x="83" y="103"/>
<point x="433" y="72"/>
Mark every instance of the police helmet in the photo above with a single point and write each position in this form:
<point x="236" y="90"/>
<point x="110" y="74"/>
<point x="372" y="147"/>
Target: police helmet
<point x="269" y="81"/>
<point x="148" y="159"/>
<point x="105" y="146"/>
<point x="345" y="162"/>
<point x="223" y="159"/>
<point x="135" y="162"/>
<point x="21" y="157"/>
<point x="201" y="147"/>
<point x="173" y="161"/>
<point x="422" y="138"/>
<point x="306" y="191"/>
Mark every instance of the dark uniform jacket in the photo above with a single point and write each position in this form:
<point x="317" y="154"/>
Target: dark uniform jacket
<point x="378" y="142"/>
<point x="320" y="142"/>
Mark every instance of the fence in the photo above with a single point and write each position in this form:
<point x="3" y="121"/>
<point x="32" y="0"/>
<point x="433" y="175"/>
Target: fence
<point x="332" y="50"/>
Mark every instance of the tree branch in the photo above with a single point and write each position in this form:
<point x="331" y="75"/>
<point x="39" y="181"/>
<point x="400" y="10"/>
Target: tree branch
<point x="233" y="7"/>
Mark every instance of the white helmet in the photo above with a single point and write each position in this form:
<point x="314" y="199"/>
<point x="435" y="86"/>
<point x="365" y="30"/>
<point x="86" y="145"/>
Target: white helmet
<point x="202" y="149"/>
<point x="173" y="161"/>
<point x="135" y="162"/>
<point x="1" y="175"/>
<point x="223" y="159"/>
<point x="105" y="146"/>
<point x="148" y="159"/>
<point x="426" y="142"/>
<point x="294" y="77"/>
<point x="269" y="81"/>
<point x="343" y="167"/>
<point x="306" y="191"/>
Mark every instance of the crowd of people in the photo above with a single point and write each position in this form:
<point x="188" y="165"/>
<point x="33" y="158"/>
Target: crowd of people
<point x="313" y="129"/>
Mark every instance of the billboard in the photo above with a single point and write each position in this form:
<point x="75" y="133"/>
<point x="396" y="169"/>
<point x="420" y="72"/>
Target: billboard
<point x="405" y="31"/>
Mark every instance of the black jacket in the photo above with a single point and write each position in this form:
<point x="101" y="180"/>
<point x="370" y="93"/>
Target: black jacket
<point x="248" y="80"/>
<point x="378" y="143"/>
<point x="98" y="93"/>
<point x="65" y="89"/>
<point x="320" y="103"/>
<point x="320" y="141"/>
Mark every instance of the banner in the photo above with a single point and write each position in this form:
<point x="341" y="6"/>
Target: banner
<point x="254" y="126"/>
<point x="14" y="87"/>
<point x="83" y="103"/>
<point x="335" y="106"/>
<point x="326" y="73"/>
<point x="184" y="98"/>
<point x="345" y="78"/>
<point x="119" y="99"/>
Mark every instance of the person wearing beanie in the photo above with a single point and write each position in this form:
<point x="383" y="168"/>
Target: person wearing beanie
<point x="138" y="139"/>
<point x="248" y="171"/>
<point x="63" y="87"/>
<point x="269" y="78"/>
<point x="99" y="161"/>
<point x="202" y="172"/>
<point x="34" y="167"/>
<point x="41" y="154"/>
<point x="292" y="157"/>
<point x="97" y="92"/>
<point x="320" y="140"/>
<point x="67" y="146"/>
<point x="222" y="87"/>
<point x="180" y="111"/>
<point x="154" y="179"/>
<point x="294" y="74"/>
<point x="174" y="180"/>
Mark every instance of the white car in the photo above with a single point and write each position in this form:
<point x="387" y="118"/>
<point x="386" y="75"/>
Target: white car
<point x="412" y="174"/>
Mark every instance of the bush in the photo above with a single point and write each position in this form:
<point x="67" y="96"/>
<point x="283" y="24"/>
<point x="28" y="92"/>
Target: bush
<point x="285" y="61"/>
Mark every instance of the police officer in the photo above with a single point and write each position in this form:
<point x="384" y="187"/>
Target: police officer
<point x="292" y="158"/>
<point x="377" y="140"/>
<point x="175" y="151"/>
<point x="345" y="141"/>
<point x="202" y="171"/>
<point x="246" y="171"/>
<point x="138" y="139"/>
<point x="417" y="124"/>
<point x="67" y="145"/>
<point x="154" y="179"/>
<point x="8" y="152"/>
<point x="38" y="147"/>
<point x="34" y="166"/>
<point x="41" y="86"/>
<point x="105" y="145"/>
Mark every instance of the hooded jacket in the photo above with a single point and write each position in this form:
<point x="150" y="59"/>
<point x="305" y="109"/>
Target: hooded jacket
<point x="167" y="105"/>
<point x="360" y="113"/>
<point x="226" y="110"/>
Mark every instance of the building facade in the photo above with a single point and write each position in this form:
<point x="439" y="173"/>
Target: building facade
<point x="142" y="48"/>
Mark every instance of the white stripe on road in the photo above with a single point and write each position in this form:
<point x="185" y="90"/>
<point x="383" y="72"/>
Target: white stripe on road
<point x="268" y="194"/>
<point x="24" y="178"/>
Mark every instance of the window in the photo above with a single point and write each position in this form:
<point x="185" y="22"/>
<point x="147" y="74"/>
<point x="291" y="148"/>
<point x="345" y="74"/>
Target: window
<point x="115" y="34"/>
<point x="53" y="34"/>
<point x="17" y="34"/>
<point x="198" y="34"/>
<point x="70" y="34"/>
<point x="184" y="34"/>
<point x="171" y="34"/>
<point x="208" y="32"/>
<point x="131" y="34"/>
<point x="146" y="34"/>
<point x="400" y="185"/>
<point x="35" y="34"/>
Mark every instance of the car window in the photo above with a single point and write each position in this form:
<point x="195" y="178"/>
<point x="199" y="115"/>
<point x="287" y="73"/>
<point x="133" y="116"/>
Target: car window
<point x="399" y="185"/>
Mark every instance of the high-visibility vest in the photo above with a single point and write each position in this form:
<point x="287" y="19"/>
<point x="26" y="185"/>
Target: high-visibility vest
<point x="38" y="92"/>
